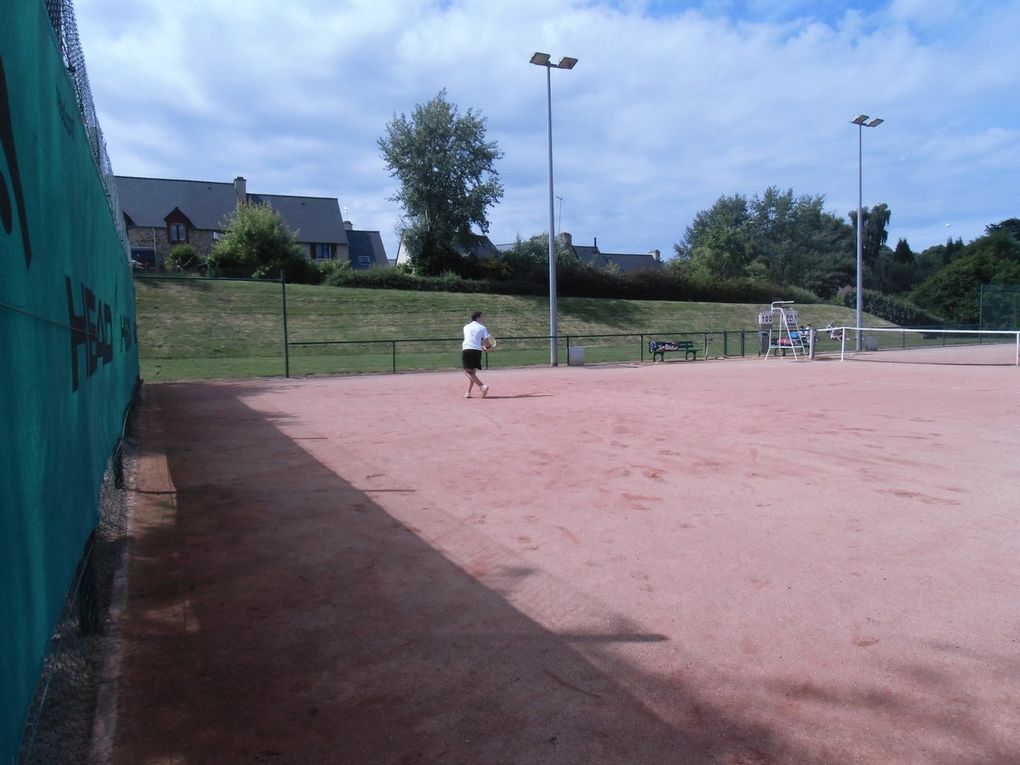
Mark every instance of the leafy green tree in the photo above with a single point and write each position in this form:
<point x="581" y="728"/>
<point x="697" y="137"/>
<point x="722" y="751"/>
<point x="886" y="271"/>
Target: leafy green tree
<point x="775" y="237"/>
<point x="873" y="231"/>
<point x="719" y="240"/>
<point x="955" y="291"/>
<point x="893" y="271"/>
<point x="800" y="242"/>
<point x="447" y="181"/>
<point x="930" y="261"/>
<point x="258" y="243"/>
<point x="1010" y="226"/>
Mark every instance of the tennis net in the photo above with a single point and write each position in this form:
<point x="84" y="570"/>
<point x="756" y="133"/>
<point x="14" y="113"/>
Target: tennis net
<point x="930" y="346"/>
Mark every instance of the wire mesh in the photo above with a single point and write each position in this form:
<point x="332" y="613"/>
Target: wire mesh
<point x="62" y="716"/>
<point x="61" y="13"/>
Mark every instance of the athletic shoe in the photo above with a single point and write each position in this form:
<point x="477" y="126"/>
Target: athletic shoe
<point x="485" y="391"/>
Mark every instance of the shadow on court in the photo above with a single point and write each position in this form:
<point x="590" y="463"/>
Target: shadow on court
<point x="278" y="614"/>
<point x="742" y="562"/>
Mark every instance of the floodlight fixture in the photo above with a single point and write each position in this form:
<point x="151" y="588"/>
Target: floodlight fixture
<point x="861" y="121"/>
<point x="540" y="59"/>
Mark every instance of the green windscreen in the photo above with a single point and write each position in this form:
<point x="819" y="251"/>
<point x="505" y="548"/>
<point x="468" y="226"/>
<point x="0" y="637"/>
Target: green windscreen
<point x="67" y="346"/>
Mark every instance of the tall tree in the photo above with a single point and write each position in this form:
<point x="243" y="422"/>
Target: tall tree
<point x="955" y="291"/>
<point x="893" y="271"/>
<point x="1011" y="226"/>
<point x="874" y="231"/>
<point x="800" y="242"/>
<point x="719" y="239"/>
<point x="448" y="180"/>
<point x="775" y="236"/>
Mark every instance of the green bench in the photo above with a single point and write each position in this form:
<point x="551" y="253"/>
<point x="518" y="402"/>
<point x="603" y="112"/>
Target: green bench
<point x="661" y="347"/>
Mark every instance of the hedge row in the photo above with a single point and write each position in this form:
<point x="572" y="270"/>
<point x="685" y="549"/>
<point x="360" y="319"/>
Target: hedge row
<point x="897" y="310"/>
<point x="583" y="282"/>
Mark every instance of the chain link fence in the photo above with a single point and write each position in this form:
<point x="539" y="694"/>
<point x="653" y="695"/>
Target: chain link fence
<point x="1000" y="306"/>
<point x="63" y="714"/>
<point x="61" y="13"/>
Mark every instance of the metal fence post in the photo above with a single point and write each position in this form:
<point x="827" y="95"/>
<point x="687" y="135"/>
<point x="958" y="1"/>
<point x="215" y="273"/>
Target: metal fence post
<point x="286" y="348"/>
<point x="393" y="344"/>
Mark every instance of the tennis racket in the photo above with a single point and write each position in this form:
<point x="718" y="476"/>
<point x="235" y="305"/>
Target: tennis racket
<point x="492" y="343"/>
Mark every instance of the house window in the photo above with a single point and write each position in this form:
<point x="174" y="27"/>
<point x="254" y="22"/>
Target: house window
<point x="364" y="261"/>
<point x="323" y="252"/>
<point x="178" y="233"/>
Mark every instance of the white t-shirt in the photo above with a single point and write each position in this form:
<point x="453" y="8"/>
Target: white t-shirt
<point x="474" y="334"/>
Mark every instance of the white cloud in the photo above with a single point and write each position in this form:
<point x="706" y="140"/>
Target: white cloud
<point x="670" y="106"/>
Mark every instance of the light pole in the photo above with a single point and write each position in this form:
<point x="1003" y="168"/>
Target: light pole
<point x="543" y="59"/>
<point x="861" y="121"/>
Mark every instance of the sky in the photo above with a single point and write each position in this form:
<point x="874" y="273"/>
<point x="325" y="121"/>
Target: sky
<point x="671" y="105"/>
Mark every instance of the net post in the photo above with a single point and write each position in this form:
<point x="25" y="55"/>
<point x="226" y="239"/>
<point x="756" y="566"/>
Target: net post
<point x="286" y="345"/>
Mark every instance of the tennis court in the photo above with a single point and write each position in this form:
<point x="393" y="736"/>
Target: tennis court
<point x="742" y="561"/>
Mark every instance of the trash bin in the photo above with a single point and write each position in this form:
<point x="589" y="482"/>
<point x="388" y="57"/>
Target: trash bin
<point x="575" y="356"/>
<point x="763" y="343"/>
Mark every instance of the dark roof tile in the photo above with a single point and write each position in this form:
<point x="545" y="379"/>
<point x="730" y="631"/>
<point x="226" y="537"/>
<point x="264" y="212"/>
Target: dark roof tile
<point x="147" y="202"/>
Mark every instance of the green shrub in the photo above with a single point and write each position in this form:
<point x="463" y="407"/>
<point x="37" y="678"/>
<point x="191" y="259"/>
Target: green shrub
<point x="256" y="242"/>
<point x="183" y="257"/>
<point x="327" y="268"/>
<point x="894" y="309"/>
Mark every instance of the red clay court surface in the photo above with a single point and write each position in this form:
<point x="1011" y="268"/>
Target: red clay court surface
<point x="730" y="562"/>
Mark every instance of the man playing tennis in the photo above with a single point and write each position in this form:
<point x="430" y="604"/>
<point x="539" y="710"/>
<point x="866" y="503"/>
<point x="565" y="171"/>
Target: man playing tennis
<point x="476" y="338"/>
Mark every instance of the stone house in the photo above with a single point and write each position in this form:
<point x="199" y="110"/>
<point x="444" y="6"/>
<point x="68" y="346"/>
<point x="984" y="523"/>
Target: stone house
<point x="481" y="248"/>
<point x="161" y="213"/>
<point x="624" y="262"/>
<point x="593" y="256"/>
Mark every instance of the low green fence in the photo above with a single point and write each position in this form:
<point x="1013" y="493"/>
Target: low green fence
<point x="304" y="357"/>
<point x="285" y="337"/>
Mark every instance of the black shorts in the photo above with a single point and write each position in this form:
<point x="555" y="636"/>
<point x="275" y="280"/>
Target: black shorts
<point x="471" y="359"/>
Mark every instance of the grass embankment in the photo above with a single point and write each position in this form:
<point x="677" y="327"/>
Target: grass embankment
<point x="199" y="329"/>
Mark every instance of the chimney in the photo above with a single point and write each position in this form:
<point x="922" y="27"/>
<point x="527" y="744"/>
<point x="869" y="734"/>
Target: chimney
<point x="656" y="255"/>
<point x="348" y="226"/>
<point x="565" y="239"/>
<point x="241" y="189"/>
<point x="595" y="243"/>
